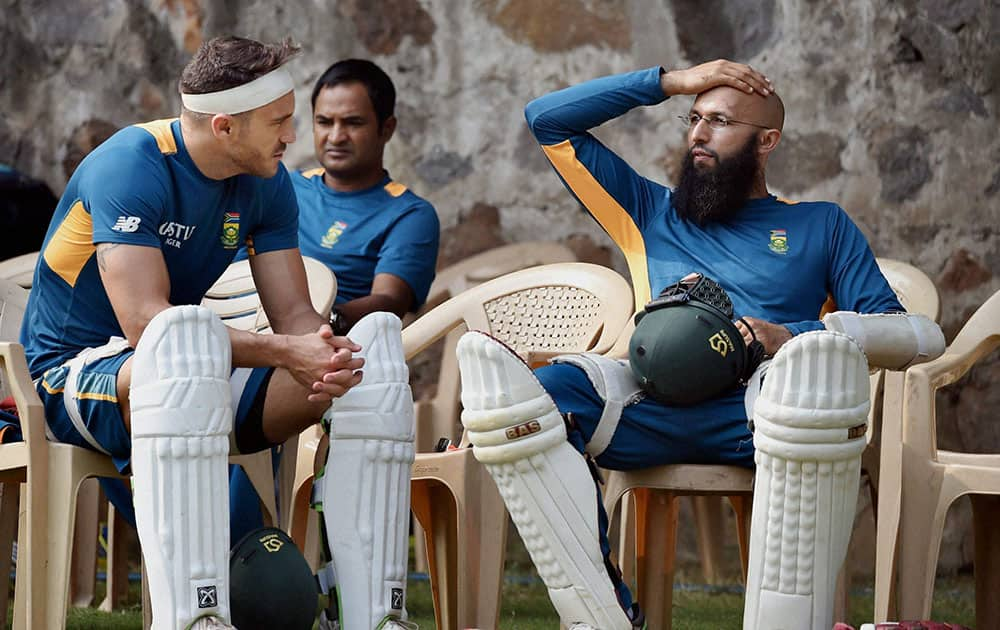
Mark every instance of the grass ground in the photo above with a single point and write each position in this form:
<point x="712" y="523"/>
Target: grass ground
<point x="525" y="605"/>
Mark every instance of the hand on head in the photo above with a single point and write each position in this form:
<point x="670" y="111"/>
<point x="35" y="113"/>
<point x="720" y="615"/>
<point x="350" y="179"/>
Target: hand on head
<point x="712" y="74"/>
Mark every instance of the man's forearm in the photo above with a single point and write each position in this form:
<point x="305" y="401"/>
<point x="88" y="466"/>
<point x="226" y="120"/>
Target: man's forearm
<point x="269" y="350"/>
<point x="572" y="111"/>
<point x="257" y="350"/>
<point x="359" y="307"/>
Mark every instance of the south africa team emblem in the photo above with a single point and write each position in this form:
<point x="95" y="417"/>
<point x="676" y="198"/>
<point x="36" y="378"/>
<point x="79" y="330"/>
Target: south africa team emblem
<point x="230" y="230"/>
<point x="779" y="242"/>
<point x="333" y="234"/>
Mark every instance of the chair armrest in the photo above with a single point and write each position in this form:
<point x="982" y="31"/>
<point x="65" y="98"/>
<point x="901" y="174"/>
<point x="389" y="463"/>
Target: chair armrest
<point x="952" y="365"/>
<point x="18" y="382"/>
<point x="430" y="327"/>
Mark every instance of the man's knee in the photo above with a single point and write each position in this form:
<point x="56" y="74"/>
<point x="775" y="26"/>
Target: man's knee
<point x="270" y="407"/>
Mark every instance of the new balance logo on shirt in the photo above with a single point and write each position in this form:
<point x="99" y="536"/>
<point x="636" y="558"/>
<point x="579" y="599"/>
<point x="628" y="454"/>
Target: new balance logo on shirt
<point x="126" y="224"/>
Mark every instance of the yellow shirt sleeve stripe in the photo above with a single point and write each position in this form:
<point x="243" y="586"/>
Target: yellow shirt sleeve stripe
<point x="313" y="172"/>
<point x="608" y="213"/>
<point x="160" y="129"/>
<point x="72" y="245"/>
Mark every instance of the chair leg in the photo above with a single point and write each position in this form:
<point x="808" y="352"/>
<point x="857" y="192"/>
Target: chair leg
<point x="482" y="547"/>
<point x="61" y="522"/>
<point x="311" y="549"/>
<point x="742" y="506"/>
<point x="419" y="548"/>
<point x="147" y="606"/>
<point x="841" y="595"/>
<point x="656" y="511"/>
<point x="120" y="535"/>
<point x="886" y="561"/>
<point x="84" y="560"/>
<point x="708" y="521"/>
<point x="299" y="514"/>
<point x="434" y="506"/>
<point x="919" y="544"/>
<point x="8" y="530"/>
<point x="985" y="512"/>
<point x="25" y="575"/>
<point x="626" y="554"/>
<point x="32" y="607"/>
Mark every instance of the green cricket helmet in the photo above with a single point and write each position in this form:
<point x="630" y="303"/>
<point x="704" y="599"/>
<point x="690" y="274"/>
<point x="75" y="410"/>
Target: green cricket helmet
<point x="686" y="349"/>
<point x="270" y="583"/>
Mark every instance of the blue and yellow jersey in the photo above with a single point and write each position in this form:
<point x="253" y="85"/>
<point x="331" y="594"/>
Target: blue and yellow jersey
<point x="383" y="229"/>
<point x="141" y="187"/>
<point x="779" y="261"/>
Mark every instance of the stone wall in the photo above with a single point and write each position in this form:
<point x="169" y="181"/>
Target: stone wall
<point x="892" y="112"/>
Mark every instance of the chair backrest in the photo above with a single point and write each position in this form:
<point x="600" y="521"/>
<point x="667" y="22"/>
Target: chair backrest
<point x="438" y="416"/>
<point x="538" y="312"/>
<point x="13" y="300"/>
<point x="235" y="300"/>
<point x="19" y="269"/>
<point x="493" y="263"/>
<point x="916" y="292"/>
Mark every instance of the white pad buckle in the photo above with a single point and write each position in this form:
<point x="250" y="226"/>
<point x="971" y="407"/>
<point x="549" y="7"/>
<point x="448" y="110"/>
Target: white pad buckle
<point x="615" y="383"/>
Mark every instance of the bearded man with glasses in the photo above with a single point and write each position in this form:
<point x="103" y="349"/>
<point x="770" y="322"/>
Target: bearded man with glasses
<point x="722" y="240"/>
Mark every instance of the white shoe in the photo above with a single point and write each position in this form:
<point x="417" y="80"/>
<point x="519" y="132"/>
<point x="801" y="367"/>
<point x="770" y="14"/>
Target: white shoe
<point x="211" y="623"/>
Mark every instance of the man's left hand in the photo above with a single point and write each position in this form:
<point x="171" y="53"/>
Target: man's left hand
<point x="771" y="336"/>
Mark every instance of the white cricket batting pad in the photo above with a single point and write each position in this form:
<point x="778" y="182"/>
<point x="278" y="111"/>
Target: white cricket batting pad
<point x="518" y="434"/>
<point x="894" y="341"/>
<point x="809" y="431"/>
<point x="366" y="482"/>
<point x="181" y="420"/>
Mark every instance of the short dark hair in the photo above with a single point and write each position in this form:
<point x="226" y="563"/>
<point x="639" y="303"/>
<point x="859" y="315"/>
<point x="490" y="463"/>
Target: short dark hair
<point x="381" y="91"/>
<point x="227" y="61"/>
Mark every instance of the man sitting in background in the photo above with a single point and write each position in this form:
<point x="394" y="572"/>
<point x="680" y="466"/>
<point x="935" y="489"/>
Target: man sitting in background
<point x="378" y="237"/>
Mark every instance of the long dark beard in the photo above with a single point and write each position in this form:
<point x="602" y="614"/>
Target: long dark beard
<point x="716" y="194"/>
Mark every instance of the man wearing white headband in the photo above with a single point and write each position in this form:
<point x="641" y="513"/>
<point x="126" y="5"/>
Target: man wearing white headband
<point x="125" y="361"/>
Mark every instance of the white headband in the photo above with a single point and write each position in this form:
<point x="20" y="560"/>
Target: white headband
<point x="242" y="98"/>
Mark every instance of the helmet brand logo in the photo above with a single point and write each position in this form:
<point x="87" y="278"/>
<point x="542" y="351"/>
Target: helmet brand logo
<point x="721" y="343"/>
<point x="522" y="430"/>
<point x="272" y="543"/>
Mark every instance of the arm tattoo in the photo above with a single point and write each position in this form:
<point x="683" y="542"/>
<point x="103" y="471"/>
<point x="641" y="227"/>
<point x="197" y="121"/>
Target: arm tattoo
<point x="102" y="251"/>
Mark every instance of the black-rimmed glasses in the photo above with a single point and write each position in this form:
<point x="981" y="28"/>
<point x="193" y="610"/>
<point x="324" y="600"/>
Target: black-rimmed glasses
<point x="715" y="121"/>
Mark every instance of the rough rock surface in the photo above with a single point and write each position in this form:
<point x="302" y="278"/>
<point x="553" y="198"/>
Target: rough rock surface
<point x="892" y="112"/>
